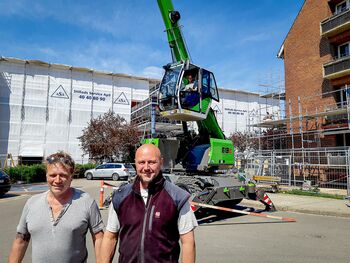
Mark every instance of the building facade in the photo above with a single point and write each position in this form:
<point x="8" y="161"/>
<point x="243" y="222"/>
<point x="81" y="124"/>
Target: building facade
<point x="239" y="111"/>
<point x="44" y="107"/>
<point x="317" y="74"/>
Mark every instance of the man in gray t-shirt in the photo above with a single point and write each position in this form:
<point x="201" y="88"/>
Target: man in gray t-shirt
<point x="58" y="220"/>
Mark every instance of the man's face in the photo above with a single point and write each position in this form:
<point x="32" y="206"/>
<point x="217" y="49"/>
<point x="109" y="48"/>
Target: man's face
<point x="58" y="178"/>
<point x="190" y="79"/>
<point x="148" y="163"/>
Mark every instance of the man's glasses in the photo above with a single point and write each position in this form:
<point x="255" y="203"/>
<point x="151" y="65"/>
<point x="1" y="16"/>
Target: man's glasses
<point x="56" y="159"/>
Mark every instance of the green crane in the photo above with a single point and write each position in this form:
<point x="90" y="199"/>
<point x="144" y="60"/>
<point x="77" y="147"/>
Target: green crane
<point x="186" y="93"/>
<point x="199" y="163"/>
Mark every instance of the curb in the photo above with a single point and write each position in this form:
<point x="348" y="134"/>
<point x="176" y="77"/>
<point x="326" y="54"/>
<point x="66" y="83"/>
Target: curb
<point x="315" y="211"/>
<point x="25" y="193"/>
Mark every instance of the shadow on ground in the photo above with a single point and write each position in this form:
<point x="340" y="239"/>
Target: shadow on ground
<point x="8" y="195"/>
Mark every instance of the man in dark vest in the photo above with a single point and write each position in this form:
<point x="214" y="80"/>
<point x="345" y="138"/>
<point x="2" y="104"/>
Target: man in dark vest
<point x="150" y="216"/>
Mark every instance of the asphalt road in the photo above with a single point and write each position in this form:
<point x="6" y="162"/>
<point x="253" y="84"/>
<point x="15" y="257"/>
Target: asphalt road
<point x="232" y="239"/>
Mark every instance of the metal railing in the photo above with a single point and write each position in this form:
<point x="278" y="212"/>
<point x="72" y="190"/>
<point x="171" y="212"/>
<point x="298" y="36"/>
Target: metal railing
<point x="323" y="167"/>
<point x="335" y="22"/>
<point x="337" y="66"/>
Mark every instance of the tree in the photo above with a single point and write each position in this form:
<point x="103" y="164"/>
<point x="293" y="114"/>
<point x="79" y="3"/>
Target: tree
<point x="244" y="141"/>
<point x="109" y="137"/>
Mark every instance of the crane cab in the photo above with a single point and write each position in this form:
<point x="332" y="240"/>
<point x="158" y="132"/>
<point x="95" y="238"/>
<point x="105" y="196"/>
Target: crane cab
<point x="186" y="92"/>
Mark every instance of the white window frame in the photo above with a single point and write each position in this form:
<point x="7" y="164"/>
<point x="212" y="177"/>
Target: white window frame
<point x="338" y="48"/>
<point x="347" y="3"/>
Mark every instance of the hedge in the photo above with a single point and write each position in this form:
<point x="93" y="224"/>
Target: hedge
<point x="27" y="173"/>
<point x="36" y="173"/>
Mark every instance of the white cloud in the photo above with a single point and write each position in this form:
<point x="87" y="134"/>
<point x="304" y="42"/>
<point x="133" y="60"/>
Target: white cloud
<point x="254" y="38"/>
<point x="153" y="72"/>
<point x="47" y="51"/>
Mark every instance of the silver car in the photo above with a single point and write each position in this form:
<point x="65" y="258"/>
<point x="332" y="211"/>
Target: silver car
<point x="115" y="171"/>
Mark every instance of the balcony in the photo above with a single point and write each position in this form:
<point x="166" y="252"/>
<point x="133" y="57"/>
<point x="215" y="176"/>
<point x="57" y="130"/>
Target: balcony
<point x="335" y="24"/>
<point x="337" y="68"/>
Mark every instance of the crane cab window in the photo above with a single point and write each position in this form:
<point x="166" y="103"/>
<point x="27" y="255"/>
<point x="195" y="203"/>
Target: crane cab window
<point x="190" y="80"/>
<point x="189" y="92"/>
<point x="167" y="89"/>
<point x="209" y="88"/>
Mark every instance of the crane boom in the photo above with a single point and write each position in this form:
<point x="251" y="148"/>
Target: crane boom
<point x="173" y="30"/>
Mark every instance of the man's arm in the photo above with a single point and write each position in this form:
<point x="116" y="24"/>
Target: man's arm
<point x="97" y="241"/>
<point x="109" y="243"/>
<point x="188" y="247"/>
<point x="19" y="248"/>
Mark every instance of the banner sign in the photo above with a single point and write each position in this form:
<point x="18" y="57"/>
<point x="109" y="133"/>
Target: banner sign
<point x="88" y="95"/>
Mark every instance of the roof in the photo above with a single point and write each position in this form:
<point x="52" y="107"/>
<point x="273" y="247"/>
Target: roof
<point x="81" y="69"/>
<point x="238" y="91"/>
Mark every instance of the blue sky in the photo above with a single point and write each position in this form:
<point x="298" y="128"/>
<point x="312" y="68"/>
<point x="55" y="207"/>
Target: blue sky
<point x="237" y="40"/>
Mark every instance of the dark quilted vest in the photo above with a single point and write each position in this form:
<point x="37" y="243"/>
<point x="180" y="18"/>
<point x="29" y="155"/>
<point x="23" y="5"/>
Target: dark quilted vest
<point x="149" y="233"/>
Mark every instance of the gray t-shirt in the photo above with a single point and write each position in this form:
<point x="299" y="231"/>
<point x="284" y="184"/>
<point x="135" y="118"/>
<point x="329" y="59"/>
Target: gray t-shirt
<point x="63" y="239"/>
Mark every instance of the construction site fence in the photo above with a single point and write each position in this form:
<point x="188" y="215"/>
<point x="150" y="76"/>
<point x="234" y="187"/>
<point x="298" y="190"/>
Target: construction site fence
<point x="319" y="167"/>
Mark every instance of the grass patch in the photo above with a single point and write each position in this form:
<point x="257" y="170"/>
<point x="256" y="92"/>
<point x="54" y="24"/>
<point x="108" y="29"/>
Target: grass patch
<point x="313" y="193"/>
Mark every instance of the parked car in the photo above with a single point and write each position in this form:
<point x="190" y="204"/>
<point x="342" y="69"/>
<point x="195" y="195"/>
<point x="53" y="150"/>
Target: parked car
<point x="5" y="184"/>
<point x="115" y="171"/>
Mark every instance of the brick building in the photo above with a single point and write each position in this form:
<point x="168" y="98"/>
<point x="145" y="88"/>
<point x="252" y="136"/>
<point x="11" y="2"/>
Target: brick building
<point x="316" y="53"/>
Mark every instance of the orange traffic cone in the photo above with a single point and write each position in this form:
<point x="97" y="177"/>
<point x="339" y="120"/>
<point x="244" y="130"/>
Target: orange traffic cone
<point x="101" y="194"/>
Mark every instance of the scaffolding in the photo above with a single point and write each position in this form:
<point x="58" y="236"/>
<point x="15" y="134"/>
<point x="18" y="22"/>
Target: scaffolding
<point x="307" y="127"/>
<point x="308" y="140"/>
<point x="145" y="115"/>
<point x="269" y="124"/>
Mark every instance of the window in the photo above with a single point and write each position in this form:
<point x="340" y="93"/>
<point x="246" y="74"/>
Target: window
<point x="209" y="88"/>
<point x="30" y="160"/>
<point x="341" y="97"/>
<point x="213" y="88"/>
<point x="168" y="86"/>
<point x="343" y="50"/>
<point x="341" y="7"/>
<point x="102" y="166"/>
<point x="167" y="89"/>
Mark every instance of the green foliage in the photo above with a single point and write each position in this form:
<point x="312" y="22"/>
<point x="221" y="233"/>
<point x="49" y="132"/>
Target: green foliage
<point x="244" y="141"/>
<point x="81" y="168"/>
<point x="313" y="193"/>
<point x="109" y="137"/>
<point x="27" y="173"/>
<point x="37" y="173"/>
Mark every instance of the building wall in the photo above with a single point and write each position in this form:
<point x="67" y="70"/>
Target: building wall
<point x="237" y="111"/>
<point x="304" y="55"/>
<point x="305" y="52"/>
<point x="44" y="107"/>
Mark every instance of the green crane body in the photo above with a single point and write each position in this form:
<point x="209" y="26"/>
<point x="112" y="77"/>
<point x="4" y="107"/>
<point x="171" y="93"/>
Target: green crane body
<point x="180" y="53"/>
